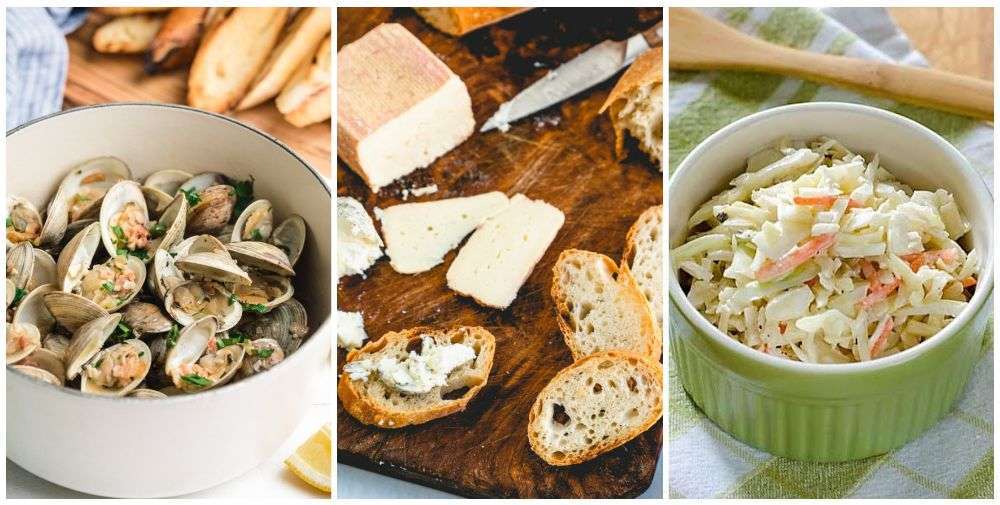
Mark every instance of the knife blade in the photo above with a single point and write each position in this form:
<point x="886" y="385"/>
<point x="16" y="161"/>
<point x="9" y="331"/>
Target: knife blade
<point x="589" y="68"/>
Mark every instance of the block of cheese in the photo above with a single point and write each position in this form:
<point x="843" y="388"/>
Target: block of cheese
<point x="399" y="107"/>
<point x="501" y="254"/>
<point x="358" y="244"/>
<point x="418" y="235"/>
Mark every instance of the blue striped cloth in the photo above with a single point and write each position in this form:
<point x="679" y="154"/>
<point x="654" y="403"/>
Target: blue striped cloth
<point x="37" y="59"/>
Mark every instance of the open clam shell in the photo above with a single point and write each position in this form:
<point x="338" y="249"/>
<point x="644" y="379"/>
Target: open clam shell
<point x="267" y="290"/>
<point x="217" y="266"/>
<point x="145" y="318"/>
<point x="191" y="370"/>
<point x="147" y="394"/>
<point x="156" y="201"/>
<point x="167" y="181"/>
<point x="262" y="354"/>
<point x="57" y="344"/>
<point x="194" y="300"/>
<point x="261" y="255"/>
<point x="198" y="243"/>
<point x="256" y="222"/>
<point x="76" y="257"/>
<point x="20" y="264"/>
<point x="169" y="228"/>
<point x="11" y="292"/>
<point x="33" y="310"/>
<point x="114" y="283"/>
<point x="24" y="223"/>
<point x="213" y="209"/>
<point x="47" y="360"/>
<point x="290" y="237"/>
<point x="125" y="220"/>
<point x="80" y="193"/>
<point x="44" y="270"/>
<point x="191" y="344"/>
<point x="88" y="341"/>
<point x="201" y="181"/>
<point x="22" y="340"/>
<point x="38" y="373"/>
<point x="117" y="370"/>
<point x="164" y="274"/>
<point x="72" y="311"/>
<point x="287" y="324"/>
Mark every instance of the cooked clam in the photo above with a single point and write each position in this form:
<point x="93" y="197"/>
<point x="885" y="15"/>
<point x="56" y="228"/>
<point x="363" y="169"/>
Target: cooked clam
<point x="261" y="255"/>
<point x="164" y="274"/>
<point x="290" y="237"/>
<point x="88" y="341"/>
<point x="150" y="394"/>
<point x="38" y="373"/>
<point x="266" y="291"/>
<point x="166" y="181"/>
<point x="24" y="223"/>
<point x="33" y="310"/>
<point x="287" y="324"/>
<point x="117" y="370"/>
<point x="194" y="300"/>
<point x="20" y="264"/>
<point x="262" y="354"/>
<point x="145" y="318"/>
<point x="169" y="228"/>
<point x="72" y="311"/>
<point x="124" y="221"/>
<point x="57" y="344"/>
<point x="211" y="209"/>
<point x="112" y="284"/>
<point x="192" y="369"/>
<point x="47" y="360"/>
<point x="198" y="183"/>
<point x="80" y="194"/>
<point x="43" y="271"/>
<point x="256" y="222"/>
<point x="156" y="201"/>
<point x="216" y="266"/>
<point x="22" y="340"/>
<point x="197" y="244"/>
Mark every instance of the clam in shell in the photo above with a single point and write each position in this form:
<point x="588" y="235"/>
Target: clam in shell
<point x="114" y="283"/>
<point x="169" y="228"/>
<point x="287" y="324"/>
<point x="47" y="360"/>
<point x="166" y="181"/>
<point x="256" y="222"/>
<point x="24" y="223"/>
<point x="33" y="310"/>
<point x="211" y="209"/>
<point x="44" y="270"/>
<point x="80" y="195"/>
<point x="191" y="369"/>
<point x="145" y="318"/>
<point x="194" y="300"/>
<point x="261" y="255"/>
<point x="124" y="221"/>
<point x="22" y="340"/>
<point x="265" y="291"/>
<point x="290" y="237"/>
<point x="38" y="373"/>
<point x="20" y="264"/>
<point x="262" y="354"/>
<point x="216" y="265"/>
<point x="88" y="341"/>
<point x="117" y="370"/>
<point x="72" y="311"/>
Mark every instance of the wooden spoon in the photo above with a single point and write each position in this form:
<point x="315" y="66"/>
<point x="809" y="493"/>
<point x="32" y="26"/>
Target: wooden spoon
<point x="698" y="42"/>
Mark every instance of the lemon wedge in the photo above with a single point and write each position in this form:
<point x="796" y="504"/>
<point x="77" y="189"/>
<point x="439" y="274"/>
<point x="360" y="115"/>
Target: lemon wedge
<point x="311" y="461"/>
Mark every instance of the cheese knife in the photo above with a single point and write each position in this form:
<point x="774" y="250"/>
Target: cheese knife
<point x="589" y="68"/>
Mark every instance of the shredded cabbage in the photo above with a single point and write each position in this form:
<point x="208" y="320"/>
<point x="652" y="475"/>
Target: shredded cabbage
<point x="816" y="254"/>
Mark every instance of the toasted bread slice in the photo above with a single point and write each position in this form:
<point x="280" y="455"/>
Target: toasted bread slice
<point x="595" y="405"/>
<point x="458" y="21"/>
<point x="601" y="308"/>
<point x="636" y="105"/>
<point x="372" y="402"/>
<point x="127" y="34"/>
<point x="231" y="54"/>
<point x="306" y="98"/>
<point x="298" y="44"/>
<point x="128" y="11"/>
<point x="643" y="258"/>
<point x="175" y="43"/>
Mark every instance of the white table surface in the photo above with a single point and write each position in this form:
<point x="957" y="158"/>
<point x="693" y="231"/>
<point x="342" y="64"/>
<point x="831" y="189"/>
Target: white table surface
<point x="354" y="482"/>
<point x="270" y="479"/>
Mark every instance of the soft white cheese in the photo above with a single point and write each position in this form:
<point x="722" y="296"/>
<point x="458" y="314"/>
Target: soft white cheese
<point x="418" y="235"/>
<point x="418" y="373"/>
<point x="358" y="244"/>
<point x="350" y="330"/>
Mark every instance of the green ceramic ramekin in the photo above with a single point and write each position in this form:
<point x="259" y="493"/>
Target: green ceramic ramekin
<point x="819" y="412"/>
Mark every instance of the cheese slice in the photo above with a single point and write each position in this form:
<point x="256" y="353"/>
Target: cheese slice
<point x="358" y="244"/>
<point x="399" y="107"/>
<point x="501" y="254"/>
<point x="418" y="235"/>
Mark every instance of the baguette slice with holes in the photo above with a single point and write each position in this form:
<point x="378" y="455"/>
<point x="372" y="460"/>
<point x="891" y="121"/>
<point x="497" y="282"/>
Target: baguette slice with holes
<point x="643" y="257"/>
<point x="594" y="406"/>
<point x="636" y="105"/>
<point x="373" y="403"/>
<point x="601" y="308"/>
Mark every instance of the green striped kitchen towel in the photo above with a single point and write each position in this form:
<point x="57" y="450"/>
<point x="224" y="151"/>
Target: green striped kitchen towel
<point x="955" y="458"/>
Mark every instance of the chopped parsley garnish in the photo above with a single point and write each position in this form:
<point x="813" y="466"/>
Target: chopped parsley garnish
<point x="119" y="232"/>
<point x="256" y="235"/>
<point x="122" y="333"/>
<point x="108" y="287"/>
<point x="158" y="230"/>
<point x="234" y="337"/>
<point x="172" y="335"/>
<point x="140" y="253"/>
<point x="264" y="353"/>
<point x="233" y="299"/>
<point x="18" y="295"/>
<point x="98" y="364"/>
<point x="192" y="196"/>
<point x="10" y="222"/>
<point x="142" y="353"/>
<point x="244" y="194"/>
<point x="259" y="308"/>
<point x="196" y="380"/>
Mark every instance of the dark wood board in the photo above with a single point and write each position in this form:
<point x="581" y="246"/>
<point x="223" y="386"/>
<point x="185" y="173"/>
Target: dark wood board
<point x="563" y="155"/>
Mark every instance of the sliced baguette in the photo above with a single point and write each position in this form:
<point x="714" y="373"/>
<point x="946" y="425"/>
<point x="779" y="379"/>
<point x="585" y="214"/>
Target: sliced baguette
<point x="231" y="54"/>
<point x="643" y="257"/>
<point x="128" y="11"/>
<point x="458" y="21"/>
<point x="594" y="406"/>
<point x="175" y="43"/>
<point x="601" y="308"/>
<point x="127" y="34"/>
<point x="306" y="97"/>
<point x="372" y="402"/>
<point x="298" y="44"/>
<point x="636" y="105"/>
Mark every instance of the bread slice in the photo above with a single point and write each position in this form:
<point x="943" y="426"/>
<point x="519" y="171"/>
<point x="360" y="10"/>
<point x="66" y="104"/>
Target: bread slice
<point x="595" y="405"/>
<point x="128" y="11"/>
<point x="177" y="39"/>
<point x="399" y="107"/>
<point x="127" y="34"/>
<point x="418" y="235"/>
<point x="305" y="100"/>
<point x="298" y="44"/>
<point x="636" y="105"/>
<point x="231" y="54"/>
<point x="372" y="402"/>
<point x="601" y="308"/>
<point x="458" y="21"/>
<point x="643" y="258"/>
<point x="500" y="255"/>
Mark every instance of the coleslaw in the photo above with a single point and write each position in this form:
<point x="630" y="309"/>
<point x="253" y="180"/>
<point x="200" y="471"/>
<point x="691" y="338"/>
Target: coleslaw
<point x="818" y="255"/>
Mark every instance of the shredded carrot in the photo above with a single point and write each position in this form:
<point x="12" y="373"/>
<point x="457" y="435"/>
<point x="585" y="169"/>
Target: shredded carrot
<point x="879" y="341"/>
<point x="795" y="257"/>
<point x="878" y="292"/>
<point x="823" y="201"/>
<point x="812" y="282"/>
<point x="968" y="282"/>
<point x="917" y="260"/>
<point x="782" y="326"/>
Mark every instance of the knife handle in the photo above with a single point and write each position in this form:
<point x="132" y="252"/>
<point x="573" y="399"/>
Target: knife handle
<point x="654" y="35"/>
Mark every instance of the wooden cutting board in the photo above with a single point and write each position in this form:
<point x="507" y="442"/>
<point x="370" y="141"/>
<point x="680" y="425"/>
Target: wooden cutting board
<point x="101" y="78"/>
<point x="563" y="155"/>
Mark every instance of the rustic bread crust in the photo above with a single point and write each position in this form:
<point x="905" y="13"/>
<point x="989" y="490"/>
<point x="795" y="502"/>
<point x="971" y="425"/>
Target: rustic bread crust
<point x="634" y="298"/>
<point x="652" y="369"/>
<point x="305" y="99"/>
<point x="654" y="213"/>
<point x="646" y="69"/>
<point x="130" y="34"/>
<point x="177" y="39"/>
<point x="358" y="405"/>
<point x="458" y="21"/>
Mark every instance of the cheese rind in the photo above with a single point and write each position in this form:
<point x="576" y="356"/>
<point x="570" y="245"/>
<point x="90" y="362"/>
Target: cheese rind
<point x="418" y="235"/>
<point x="399" y="107"/>
<point x="358" y="244"/>
<point x="501" y="254"/>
